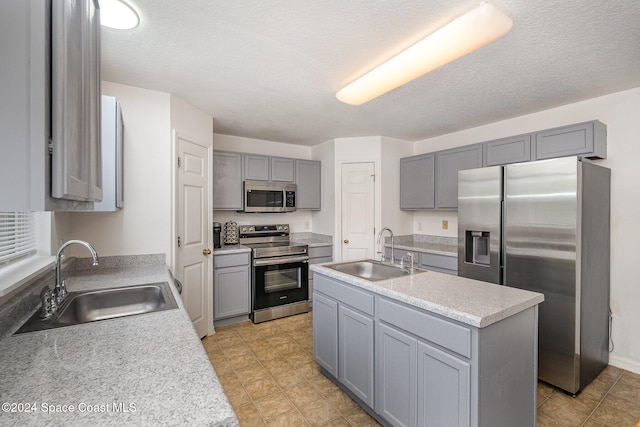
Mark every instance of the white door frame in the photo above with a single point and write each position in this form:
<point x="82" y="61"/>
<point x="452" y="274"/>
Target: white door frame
<point x="337" y="242"/>
<point x="175" y="135"/>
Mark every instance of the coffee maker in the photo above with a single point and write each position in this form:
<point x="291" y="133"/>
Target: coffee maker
<point x="217" y="231"/>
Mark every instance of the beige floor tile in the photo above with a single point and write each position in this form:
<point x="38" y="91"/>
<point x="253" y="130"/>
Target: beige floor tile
<point x="607" y="378"/>
<point x="273" y="405"/>
<point x="308" y="370"/>
<point x="594" y="423"/>
<point x="249" y="416"/>
<point x="627" y="402"/>
<point x="229" y="379"/>
<point x="217" y="358"/>
<point x="292" y="418"/>
<point x="341" y="401"/>
<point x="338" y="422"/>
<point x="318" y="412"/>
<point x="561" y="413"/>
<point x="630" y="379"/>
<point x="627" y="391"/>
<point x="221" y="366"/>
<point x="236" y="350"/>
<point x="359" y="417"/>
<point x="583" y="403"/>
<point x="261" y="388"/>
<point x="251" y="373"/>
<point x="237" y="397"/>
<point x="324" y="385"/>
<point x="613" y="416"/>
<point x="277" y="364"/>
<point x="289" y="349"/>
<point x="243" y="361"/>
<point x="287" y="378"/>
<point x="302" y="394"/>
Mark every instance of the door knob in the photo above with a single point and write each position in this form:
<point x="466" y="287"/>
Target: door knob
<point x="346" y="241"/>
<point x="206" y="251"/>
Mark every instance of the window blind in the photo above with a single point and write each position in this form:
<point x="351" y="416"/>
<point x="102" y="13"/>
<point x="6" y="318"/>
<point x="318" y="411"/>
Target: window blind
<point x="17" y="235"/>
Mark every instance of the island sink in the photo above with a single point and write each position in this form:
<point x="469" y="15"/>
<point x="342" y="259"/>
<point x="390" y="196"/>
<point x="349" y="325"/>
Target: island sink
<point x="91" y="306"/>
<point x="372" y="270"/>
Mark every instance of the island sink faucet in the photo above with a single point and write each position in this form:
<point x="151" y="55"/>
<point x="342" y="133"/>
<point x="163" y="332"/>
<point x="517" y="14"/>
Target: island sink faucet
<point x="382" y="257"/>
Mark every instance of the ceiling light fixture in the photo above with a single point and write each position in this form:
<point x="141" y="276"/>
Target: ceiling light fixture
<point x="118" y="15"/>
<point x="465" y="34"/>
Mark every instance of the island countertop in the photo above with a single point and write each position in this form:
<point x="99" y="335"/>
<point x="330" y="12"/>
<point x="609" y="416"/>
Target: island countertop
<point x="469" y="301"/>
<point x="149" y="369"/>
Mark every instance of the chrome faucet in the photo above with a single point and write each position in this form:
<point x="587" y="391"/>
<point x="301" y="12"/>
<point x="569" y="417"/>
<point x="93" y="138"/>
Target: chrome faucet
<point x="51" y="299"/>
<point x="411" y="259"/>
<point x="382" y="257"/>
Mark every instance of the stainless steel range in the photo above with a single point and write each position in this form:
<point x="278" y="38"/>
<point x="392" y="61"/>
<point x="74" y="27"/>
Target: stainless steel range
<point x="280" y="273"/>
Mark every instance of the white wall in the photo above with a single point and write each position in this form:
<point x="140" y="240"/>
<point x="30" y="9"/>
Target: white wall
<point x="144" y="225"/>
<point x="299" y="221"/>
<point x="324" y="220"/>
<point x="401" y="222"/>
<point x="190" y="121"/>
<point x="620" y="112"/>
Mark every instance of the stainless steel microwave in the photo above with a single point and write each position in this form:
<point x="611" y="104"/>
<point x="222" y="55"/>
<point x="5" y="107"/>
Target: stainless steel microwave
<point x="262" y="196"/>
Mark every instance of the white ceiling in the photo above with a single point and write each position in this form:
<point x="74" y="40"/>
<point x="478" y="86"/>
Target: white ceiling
<point x="269" y="69"/>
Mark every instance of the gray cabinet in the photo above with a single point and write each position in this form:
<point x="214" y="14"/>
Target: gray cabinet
<point x="448" y="163"/>
<point x="112" y="157"/>
<point x="587" y="139"/>
<point x="444" y="388"/>
<point x="318" y="255"/>
<point x="325" y="333"/>
<point x="447" y="264"/>
<point x="256" y="168"/>
<point x="355" y="353"/>
<point x="396" y="376"/>
<point x="282" y="169"/>
<point x="308" y="184"/>
<point x="231" y="285"/>
<point x="52" y="95"/>
<point x="227" y="181"/>
<point x="417" y="174"/>
<point x="503" y="151"/>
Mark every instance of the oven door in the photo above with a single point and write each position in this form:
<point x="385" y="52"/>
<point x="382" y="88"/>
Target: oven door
<point x="280" y="281"/>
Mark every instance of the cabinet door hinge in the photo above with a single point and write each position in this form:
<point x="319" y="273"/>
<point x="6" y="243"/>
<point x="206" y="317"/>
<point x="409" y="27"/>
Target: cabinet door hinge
<point x="179" y="162"/>
<point x="179" y="241"/>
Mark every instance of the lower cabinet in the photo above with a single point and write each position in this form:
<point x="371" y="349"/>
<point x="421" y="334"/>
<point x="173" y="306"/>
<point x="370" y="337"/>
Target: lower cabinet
<point x="355" y="353"/>
<point x="325" y="333"/>
<point x="231" y="286"/>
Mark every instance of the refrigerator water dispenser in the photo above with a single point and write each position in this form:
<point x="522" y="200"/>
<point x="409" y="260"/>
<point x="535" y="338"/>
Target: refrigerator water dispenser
<point x="477" y="247"/>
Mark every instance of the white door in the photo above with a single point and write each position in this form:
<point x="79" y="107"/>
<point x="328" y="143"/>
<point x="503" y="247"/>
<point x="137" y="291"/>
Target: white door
<point x="194" y="259"/>
<point x="358" y="210"/>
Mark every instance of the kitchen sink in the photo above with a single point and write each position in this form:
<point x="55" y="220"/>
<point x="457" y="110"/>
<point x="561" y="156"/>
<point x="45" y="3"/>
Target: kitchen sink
<point x="372" y="270"/>
<point x="91" y="306"/>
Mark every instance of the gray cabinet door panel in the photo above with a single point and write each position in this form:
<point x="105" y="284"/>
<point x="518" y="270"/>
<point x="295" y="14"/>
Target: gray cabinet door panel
<point x="507" y="150"/>
<point x="325" y="333"/>
<point x="356" y="353"/>
<point x="444" y="388"/>
<point x="396" y="376"/>
<point x="256" y="167"/>
<point x="417" y="182"/>
<point x="588" y="139"/>
<point x="282" y="169"/>
<point x="309" y="187"/>
<point x="231" y="292"/>
<point x="227" y="181"/>
<point x="360" y="300"/>
<point x="448" y="163"/>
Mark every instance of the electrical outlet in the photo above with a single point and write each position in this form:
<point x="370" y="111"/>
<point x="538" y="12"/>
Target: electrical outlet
<point x="445" y="224"/>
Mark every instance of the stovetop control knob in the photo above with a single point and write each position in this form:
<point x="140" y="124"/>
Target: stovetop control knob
<point x="285" y="227"/>
<point x="252" y="228"/>
<point x="280" y="228"/>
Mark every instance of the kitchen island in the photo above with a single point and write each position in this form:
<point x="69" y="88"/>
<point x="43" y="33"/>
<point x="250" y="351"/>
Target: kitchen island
<point x="148" y="369"/>
<point x="429" y="348"/>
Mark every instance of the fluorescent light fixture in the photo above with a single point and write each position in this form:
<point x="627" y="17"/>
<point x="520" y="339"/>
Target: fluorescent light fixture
<point x="118" y="15"/>
<point x="465" y="34"/>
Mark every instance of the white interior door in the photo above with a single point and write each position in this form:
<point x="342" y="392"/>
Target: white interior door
<point x="194" y="259"/>
<point x="358" y="210"/>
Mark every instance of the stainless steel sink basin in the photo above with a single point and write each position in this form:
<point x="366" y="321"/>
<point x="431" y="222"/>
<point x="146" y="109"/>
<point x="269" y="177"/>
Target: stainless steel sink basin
<point x="91" y="306"/>
<point x="371" y="270"/>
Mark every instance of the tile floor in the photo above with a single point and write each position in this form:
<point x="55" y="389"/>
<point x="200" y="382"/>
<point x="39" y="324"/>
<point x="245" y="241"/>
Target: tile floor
<point x="268" y="373"/>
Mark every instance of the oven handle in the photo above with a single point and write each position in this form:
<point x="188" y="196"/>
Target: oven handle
<point x="283" y="260"/>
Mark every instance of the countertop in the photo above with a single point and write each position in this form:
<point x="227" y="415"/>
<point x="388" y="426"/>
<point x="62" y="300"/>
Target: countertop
<point x="472" y="302"/>
<point x="312" y="242"/>
<point x="425" y="243"/>
<point x="149" y="369"/>
<point x="231" y="249"/>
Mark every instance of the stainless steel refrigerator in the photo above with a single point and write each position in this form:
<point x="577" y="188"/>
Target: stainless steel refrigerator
<point x="544" y="226"/>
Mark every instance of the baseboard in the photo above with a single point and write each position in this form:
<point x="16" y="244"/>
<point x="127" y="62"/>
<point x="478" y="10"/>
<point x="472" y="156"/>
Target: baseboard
<point x="625" y="363"/>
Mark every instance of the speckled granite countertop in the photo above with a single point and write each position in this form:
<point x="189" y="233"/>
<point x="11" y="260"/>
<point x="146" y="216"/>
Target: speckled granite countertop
<point x="149" y="369"/>
<point x="231" y="249"/>
<point x="475" y="303"/>
<point x="314" y="240"/>
<point x="424" y="243"/>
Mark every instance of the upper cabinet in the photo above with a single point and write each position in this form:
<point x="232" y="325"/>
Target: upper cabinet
<point x="112" y="157"/>
<point x="448" y="163"/>
<point x="51" y="153"/>
<point x="503" y="151"/>
<point x="231" y="169"/>
<point x="308" y="182"/>
<point x="587" y="139"/>
<point x="227" y="181"/>
<point x="417" y="190"/>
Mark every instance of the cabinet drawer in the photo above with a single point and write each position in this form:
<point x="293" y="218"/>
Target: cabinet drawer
<point x="438" y="261"/>
<point x="320" y="251"/>
<point x="356" y="298"/>
<point x="231" y="260"/>
<point x="451" y="336"/>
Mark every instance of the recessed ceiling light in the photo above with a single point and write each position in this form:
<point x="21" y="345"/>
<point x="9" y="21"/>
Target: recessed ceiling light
<point x="118" y="15"/>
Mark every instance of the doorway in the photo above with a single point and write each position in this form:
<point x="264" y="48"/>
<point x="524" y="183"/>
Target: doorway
<point x="358" y="210"/>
